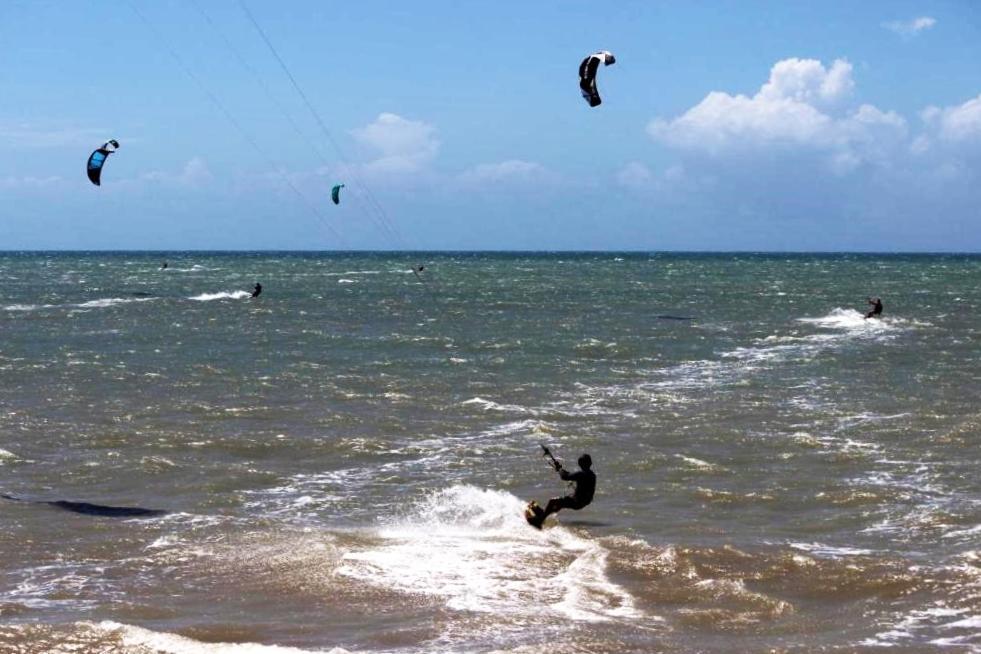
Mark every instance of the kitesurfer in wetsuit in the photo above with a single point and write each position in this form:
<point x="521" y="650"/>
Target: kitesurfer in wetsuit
<point x="876" y="308"/>
<point x="164" y="266"/>
<point x="257" y="290"/>
<point x="585" y="486"/>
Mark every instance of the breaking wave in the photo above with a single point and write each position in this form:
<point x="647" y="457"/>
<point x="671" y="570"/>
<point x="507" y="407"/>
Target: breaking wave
<point x="490" y="560"/>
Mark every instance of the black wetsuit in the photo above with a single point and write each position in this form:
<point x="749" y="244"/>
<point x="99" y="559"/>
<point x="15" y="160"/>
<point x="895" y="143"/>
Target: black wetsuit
<point x="258" y="289"/>
<point x="876" y="309"/>
<point x="585" y="481"/>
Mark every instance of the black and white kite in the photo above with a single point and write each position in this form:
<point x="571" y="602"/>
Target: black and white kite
<point x="587" y="75"/>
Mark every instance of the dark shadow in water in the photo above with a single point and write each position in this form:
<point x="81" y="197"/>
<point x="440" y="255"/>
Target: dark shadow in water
<point x="670" y="317"/>
<point x="85" y="508"/>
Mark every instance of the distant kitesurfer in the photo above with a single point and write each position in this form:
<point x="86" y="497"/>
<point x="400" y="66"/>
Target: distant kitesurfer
<point x="257" y="290"/>
<point x="164" y="266"/>
<point x="876" y="308"/>
<point x="584" y="480"/>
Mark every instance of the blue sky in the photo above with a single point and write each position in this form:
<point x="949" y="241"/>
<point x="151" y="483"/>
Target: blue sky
<point x="725" y="126"/>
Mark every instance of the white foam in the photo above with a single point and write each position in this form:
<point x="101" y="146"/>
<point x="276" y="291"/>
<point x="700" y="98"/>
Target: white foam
<point x="490" y="405"/>
<point x="699" y="464"/>
<point x="110" y="302"/>
<point x="529" y="427"/>
<point x="831" y="551"/>
<point x="973" y="622"/>
<point x="852" y="320"/>
<point x="960" y="533"/>
<point x="490" y="560"/>
<point x="223" y="295"/>
<point x="165" y="643"/>
<point x="915" y="624"/>
<point x="101" y="303"/>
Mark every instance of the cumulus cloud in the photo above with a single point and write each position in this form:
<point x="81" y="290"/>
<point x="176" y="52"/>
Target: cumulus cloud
<point x="800" y="157"/>
<point x="808" y="81"/>
<point x="400" y="145"/>
<point x="794" y="111"/>
<point x="910" y="28"/>
<point x="511" y="171"/>
<point x="957" y="124"/>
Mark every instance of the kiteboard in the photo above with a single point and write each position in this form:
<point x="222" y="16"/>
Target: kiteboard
<point x="535" y="514"/>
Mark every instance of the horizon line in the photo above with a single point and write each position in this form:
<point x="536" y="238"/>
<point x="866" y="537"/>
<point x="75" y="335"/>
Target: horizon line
<point x="488" y="251"/>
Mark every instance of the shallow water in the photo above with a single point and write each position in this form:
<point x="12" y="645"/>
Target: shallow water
<point x="345" y="459"/>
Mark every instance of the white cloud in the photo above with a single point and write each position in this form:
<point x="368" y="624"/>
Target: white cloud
<point x="28" y="182"/>
<point x="24" y="135"/>
<point x="801" y="156"/>
<point x="194" y="173"/>
<point x="910" y="28"/>
<point x="957" y="124"/>
<point x="635" y="175"/>
<point x="511" y="171"/>
<point x="401" y="146"/>
<point x="793" y="112"/>
<point x="722" y="121"/>
<point x="807" y="81"/>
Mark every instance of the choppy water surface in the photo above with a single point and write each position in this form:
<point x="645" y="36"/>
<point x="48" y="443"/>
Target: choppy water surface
<point x="345" y="459"/>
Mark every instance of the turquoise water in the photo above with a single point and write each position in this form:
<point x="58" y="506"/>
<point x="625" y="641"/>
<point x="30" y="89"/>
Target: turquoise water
<point x="345" y="459"/>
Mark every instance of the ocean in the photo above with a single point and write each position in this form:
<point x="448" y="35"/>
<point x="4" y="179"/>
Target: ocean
<point x="344" y="460"/>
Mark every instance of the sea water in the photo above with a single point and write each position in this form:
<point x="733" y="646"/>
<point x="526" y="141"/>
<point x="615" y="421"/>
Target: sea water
<point x="346" y="458"/>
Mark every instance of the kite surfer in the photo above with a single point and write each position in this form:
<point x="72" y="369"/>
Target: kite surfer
<point x="584" y="481"/>
<point x="876" y="308"/>
<point x="257" y="290"/>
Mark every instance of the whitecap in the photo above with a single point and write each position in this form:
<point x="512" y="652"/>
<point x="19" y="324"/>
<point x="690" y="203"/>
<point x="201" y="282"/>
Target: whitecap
<point x="699" y="464"/>
<point x="223" y="295"/>
<point x="161" y="642"/>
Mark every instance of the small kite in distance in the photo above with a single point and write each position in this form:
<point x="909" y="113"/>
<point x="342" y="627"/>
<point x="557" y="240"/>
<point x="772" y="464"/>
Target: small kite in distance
<point x="335" y="193"/>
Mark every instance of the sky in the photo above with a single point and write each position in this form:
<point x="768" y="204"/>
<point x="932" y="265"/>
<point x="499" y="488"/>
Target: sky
<point x="725" y="126"/>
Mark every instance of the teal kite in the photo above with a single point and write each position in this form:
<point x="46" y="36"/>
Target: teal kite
<point x="335" y="193"/>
